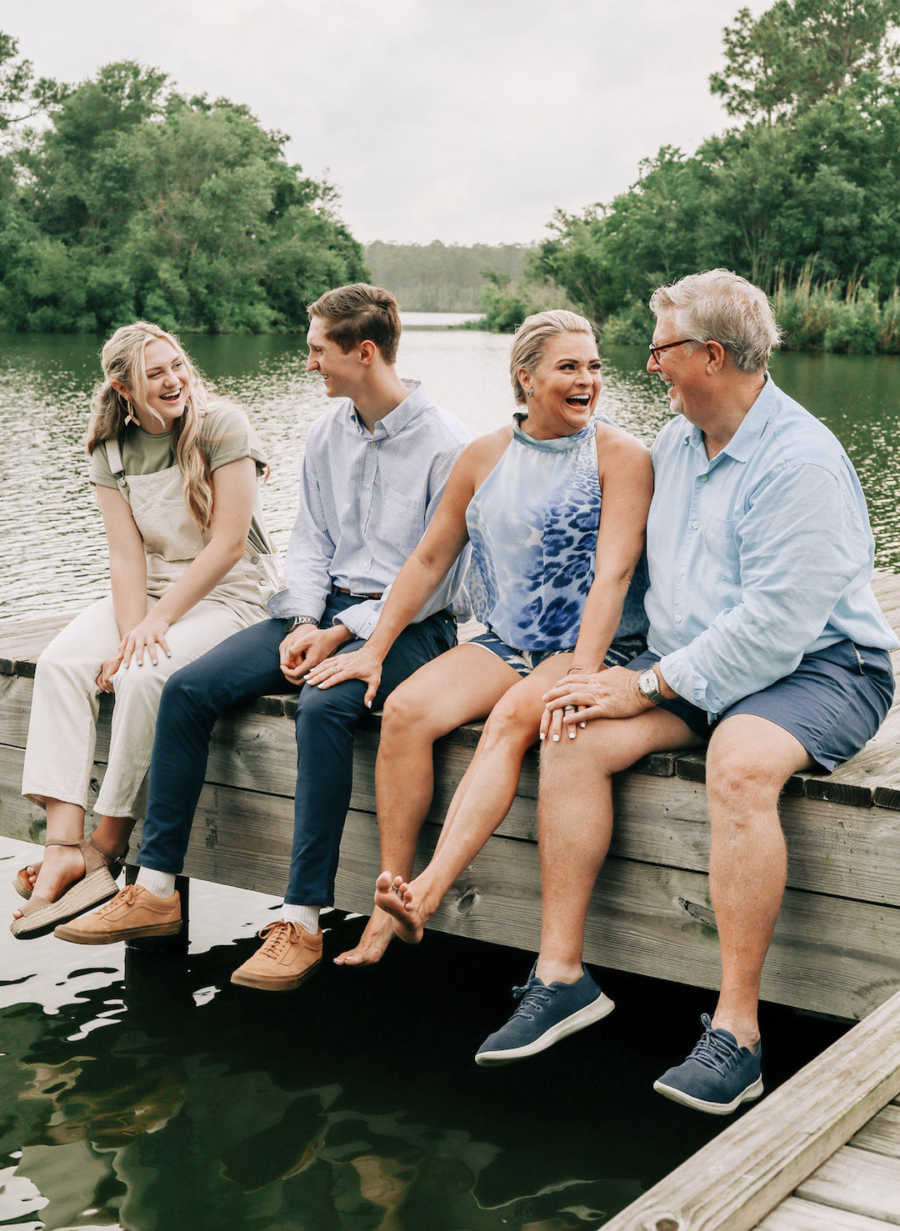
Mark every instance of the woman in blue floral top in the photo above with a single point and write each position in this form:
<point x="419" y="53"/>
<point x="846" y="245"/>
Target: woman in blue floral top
<point x="555" y="507"/>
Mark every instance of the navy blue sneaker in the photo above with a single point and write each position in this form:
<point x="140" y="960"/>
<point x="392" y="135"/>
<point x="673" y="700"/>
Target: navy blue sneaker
<point x="717" y="1076"/>
<point x="546" y="1014"/>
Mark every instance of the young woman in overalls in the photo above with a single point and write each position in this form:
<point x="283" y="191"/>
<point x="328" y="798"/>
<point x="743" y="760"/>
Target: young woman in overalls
<point x="175" y="475"/>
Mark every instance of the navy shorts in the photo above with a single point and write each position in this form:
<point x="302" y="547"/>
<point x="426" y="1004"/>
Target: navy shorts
<point x="833" y="703"/>
<point x="525" y="661"/>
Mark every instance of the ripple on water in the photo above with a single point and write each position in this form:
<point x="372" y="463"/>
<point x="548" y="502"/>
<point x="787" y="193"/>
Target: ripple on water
<point x="54" y="546"/>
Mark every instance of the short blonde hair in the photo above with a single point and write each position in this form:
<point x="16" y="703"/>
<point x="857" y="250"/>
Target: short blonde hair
<point x="722" y="306"/>
<point x="533" y="335"/>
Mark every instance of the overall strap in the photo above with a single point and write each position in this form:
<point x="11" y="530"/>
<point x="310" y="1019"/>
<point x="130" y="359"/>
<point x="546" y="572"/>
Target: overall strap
<point x="116" y="465"/>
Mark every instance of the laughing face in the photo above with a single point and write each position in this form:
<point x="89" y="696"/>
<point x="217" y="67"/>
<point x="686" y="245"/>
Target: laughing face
<point x="166" y="386"/>
<point x="679" y="367"/>
<point x="340" y="372"/>
<point x="564" y="386"/>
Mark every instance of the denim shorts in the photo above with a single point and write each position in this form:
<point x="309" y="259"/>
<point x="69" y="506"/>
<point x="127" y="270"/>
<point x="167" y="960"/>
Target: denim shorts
<point x="833" y="703"/>
<point x="524" y="661"/>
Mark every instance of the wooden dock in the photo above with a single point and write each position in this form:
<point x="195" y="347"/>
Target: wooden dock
<point x="837" y="945"/>
<point x="820" y="1154"/>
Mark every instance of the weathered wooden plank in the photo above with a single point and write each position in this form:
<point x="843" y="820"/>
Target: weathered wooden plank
<point x="796" y="1215"/>
<point x="882" y="1134"/>
<point x="832" y="955"/>
<point x="846" y="852"/>
<point x="827" y="954"/>
<point x="858" y="1181"/>
<point x="743" y="1174"/>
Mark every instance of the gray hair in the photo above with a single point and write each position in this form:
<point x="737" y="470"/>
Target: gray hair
<point x="533" y="335"/>
<point x="722" y="306"/>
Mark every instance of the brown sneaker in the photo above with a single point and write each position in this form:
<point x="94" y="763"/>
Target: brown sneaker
<point x="290" y="955"/>
<point x="133" y="912"/>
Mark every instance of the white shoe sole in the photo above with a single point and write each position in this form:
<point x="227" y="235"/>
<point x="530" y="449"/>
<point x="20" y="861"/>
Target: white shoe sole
<point x="715" y="1109"/>
<point x="593" y="1012"/>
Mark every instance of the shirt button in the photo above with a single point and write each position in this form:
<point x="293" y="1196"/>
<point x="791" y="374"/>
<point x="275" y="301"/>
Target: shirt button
<point x="682" y="571"/>
<point x="678" y="619"/>
<point x="694" y="525"/>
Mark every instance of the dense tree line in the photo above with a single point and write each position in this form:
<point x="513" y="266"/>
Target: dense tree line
<point x="133" y="200"/>
<point x="440" y="277"/>
<point x="802" y="198"/>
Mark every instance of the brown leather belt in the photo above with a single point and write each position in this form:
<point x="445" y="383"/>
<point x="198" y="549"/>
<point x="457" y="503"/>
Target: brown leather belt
<point x="352" y="593"/>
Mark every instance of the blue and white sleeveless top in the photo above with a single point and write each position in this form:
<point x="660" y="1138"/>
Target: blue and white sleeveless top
<point x="533" y="528"/>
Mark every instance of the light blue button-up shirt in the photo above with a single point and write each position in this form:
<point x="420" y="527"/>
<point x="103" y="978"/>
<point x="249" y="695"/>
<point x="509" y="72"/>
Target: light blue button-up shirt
<point x="365" y="500"/>
<point x="757" y="557"/>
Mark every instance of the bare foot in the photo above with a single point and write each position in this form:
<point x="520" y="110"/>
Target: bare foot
<point x="376" y="937"/>
<point x="396" y="897"/>
<point x="61" y="867"/>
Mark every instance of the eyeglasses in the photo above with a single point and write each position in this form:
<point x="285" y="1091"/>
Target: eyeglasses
<point x="656" y="351"/>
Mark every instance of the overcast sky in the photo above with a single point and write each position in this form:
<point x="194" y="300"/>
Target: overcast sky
<point x="461" y="120"/>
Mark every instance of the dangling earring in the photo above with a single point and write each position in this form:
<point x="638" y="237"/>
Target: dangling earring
<point x="529" y="393"/>
<point x="130" y="416"/>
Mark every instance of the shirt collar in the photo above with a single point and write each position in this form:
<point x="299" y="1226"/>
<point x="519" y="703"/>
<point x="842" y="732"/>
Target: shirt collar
<point x="413" y="405"/>
<point x="743" y="443"/>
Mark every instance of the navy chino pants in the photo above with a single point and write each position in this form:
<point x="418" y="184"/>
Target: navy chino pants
<point x="237" y="671"/>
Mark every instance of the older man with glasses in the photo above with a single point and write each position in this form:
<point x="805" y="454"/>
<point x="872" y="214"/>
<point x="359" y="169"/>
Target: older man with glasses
<point x="765" y="639"/>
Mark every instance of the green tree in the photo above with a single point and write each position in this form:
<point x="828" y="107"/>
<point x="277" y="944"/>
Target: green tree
<point x="800" y="51"/>
<point x="22" y="95"/>
<point x="137" y="201"/>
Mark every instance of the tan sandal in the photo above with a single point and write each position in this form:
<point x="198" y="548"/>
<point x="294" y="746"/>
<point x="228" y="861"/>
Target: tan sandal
<point x="21" y="882"/>
<point x="97" y="885"/>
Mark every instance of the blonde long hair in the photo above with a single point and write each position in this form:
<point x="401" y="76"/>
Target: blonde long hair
<point x="123" y="360"/>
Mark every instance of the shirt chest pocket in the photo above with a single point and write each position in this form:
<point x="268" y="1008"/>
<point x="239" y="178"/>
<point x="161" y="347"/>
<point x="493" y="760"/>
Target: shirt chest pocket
<point x="721" y="548"/>
<point x="399" y="520"/>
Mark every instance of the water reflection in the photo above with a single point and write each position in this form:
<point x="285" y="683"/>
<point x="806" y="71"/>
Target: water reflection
<point x="149" y="1093"/>
<point x="55" y="553"/>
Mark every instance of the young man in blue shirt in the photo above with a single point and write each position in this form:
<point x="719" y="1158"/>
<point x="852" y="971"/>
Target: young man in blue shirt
<point x="373" y="472"/>
<point x="764" y="637"/>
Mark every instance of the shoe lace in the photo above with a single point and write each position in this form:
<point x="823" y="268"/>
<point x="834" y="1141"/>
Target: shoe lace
<point x="714" y="1051"/>
<point x="278" y="936"/>
<point x="533" y="998"/>
<point x="125" y="897"/>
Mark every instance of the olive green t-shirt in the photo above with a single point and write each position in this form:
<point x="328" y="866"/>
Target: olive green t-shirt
<point x="225" y="436"/>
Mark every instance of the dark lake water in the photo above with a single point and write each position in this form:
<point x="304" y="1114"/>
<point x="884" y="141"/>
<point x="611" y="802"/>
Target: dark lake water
<point x="145" y="1094"/>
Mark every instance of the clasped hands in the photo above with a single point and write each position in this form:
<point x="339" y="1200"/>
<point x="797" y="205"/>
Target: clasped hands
<point x="309" y="647"/>
<point x="581" y="696"/>
<point x="147" y="636"/>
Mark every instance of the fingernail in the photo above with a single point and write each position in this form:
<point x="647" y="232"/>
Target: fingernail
<point x="556" y="739"/>
<point x="571" y="732"/>
<point x="542" y="736"/>
<point x="168" y="653"/>
<point x="368" y="705"/>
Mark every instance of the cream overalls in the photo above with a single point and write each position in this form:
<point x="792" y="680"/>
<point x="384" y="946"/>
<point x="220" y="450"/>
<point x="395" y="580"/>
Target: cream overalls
<point x="62" y="730"/>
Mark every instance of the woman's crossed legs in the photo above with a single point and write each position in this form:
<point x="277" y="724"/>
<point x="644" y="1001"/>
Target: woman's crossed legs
<point x="404" y="781"/>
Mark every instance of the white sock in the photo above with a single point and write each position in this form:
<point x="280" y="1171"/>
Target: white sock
<point x="306" y="916"/>
<point x="161" y="884"/>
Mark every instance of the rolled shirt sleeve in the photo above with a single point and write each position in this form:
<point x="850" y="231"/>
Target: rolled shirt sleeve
<point x="800" y="547"/>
